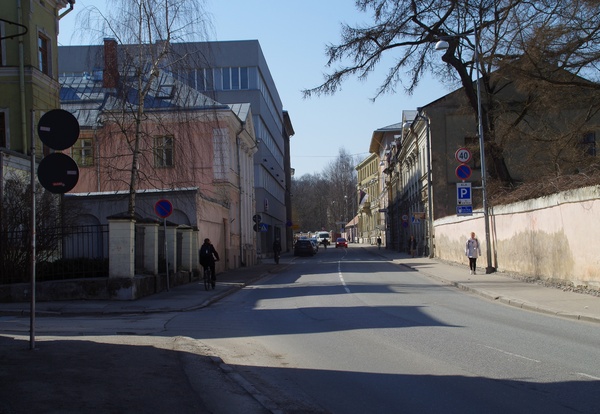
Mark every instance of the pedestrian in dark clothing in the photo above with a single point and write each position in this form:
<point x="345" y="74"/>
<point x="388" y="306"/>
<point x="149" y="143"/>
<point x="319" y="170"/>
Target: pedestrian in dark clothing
<point x="412" y="245"/>
<point x="208" y="257"/>
<point x="276" y="250"/>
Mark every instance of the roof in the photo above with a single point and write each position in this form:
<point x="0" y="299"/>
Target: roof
<point x="86" y="97"/>
<point x="379" y="134"/>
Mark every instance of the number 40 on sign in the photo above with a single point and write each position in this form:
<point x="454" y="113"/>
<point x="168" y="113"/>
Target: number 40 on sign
<point x="463" y="155"/>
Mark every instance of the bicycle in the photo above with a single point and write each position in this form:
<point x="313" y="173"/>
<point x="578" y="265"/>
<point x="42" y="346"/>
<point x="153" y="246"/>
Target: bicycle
<point x="208" y="279"/>
<point x="276" y="257"/>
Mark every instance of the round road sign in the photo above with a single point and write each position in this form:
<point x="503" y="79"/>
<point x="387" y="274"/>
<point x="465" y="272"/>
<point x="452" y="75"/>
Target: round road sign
<point x="463" y="155"/>
<point x="58" y="129"/>
<point x="463" y="172"/>
<point x="58" y="173"/>
<point x="163" y="208"/>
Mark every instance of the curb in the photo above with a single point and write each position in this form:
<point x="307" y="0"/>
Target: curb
<point x="508" y="301"/>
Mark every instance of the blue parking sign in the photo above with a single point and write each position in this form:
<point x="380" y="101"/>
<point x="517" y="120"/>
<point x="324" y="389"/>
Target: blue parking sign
<point x="463" y="194"/>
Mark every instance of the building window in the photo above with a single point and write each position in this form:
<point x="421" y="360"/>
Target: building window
<point x="3" y="130"/>
<point x="226" y="75"/>
<point x="83" y="152"/>
<point x="44" y="54"/>
<point x="2" y="46"/>
<point x="163" y="152"/>
<point x="588" y="144"/>
<point x="220" y="153"/>
<point x="234" y="79"/>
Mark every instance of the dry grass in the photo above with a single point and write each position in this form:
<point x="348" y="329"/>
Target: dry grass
<point x="543" y="186"/>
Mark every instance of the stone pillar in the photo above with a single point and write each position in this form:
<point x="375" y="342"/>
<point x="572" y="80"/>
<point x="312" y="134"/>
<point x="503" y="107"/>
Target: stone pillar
<point x="186" y="247"/>
<point x="121" y="243"/>
<point x="151" y="247"/>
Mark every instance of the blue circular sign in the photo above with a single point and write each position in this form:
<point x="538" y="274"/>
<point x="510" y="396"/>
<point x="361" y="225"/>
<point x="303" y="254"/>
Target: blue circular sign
<point x="463" y="171"/>
<point x="163" y="208"/>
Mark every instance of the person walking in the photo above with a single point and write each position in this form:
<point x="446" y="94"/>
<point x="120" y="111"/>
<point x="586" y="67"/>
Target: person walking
<point x="378" y="242"/>
<point x="473" y="251"/>
<point x="412" y="245"/>
<point x="276" y="250"/>
<point x="208" y="257"/>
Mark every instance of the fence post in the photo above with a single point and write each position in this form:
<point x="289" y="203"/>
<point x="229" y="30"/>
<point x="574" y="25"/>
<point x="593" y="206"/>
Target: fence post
<point x="121" y="253"/>
<point x="151" y="227"/>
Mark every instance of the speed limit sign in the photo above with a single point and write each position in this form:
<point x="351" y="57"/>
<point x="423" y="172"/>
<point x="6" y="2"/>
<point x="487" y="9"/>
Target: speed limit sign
<point x="463" y="155"/>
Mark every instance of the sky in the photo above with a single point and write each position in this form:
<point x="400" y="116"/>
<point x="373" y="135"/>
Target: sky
<point x="293" y="36"/>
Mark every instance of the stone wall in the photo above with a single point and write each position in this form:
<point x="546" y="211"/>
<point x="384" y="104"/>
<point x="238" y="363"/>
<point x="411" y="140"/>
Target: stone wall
<point x="94" y="289"/>
<point x="553" y="238"/>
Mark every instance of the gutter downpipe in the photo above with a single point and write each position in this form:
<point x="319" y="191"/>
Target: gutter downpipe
<point x="22" y="81"/>
<point x="242" y="209"/>
<point x="67" y="11"/>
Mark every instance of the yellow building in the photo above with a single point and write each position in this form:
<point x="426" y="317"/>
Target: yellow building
<point x="370" y="222"/>
<point x="28" y="74"/>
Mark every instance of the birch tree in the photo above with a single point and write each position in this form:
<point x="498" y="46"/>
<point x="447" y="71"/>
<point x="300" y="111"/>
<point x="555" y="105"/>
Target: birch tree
<point x="146" y="32"/>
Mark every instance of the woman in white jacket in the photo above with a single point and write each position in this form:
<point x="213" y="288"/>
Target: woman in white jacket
<point x="472" y="251"/>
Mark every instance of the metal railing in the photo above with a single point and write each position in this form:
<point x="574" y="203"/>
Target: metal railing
<point x="61" y="253"/>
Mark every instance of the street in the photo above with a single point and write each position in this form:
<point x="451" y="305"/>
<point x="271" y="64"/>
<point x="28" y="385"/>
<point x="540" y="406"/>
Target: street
<point x="341" y="332"/>
<point x="354" y="334"/>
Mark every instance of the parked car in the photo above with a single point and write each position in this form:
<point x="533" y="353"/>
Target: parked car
<point x="341" y="242"/>
<point x="315" y="244"/>
<point x="304" y="247"/>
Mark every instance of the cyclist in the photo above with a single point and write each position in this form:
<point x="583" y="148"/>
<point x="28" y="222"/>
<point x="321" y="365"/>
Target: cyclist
<point x="208" y="257"/>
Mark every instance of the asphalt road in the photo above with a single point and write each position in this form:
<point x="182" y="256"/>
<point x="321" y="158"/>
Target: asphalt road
<point x="346" y="332"/>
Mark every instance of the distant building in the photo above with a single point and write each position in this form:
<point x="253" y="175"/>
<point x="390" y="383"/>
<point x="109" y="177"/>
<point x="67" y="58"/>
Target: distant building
<point x="193" y="151"/>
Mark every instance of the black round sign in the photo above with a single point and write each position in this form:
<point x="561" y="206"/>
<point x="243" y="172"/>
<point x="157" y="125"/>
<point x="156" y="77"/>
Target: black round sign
<point x="58" y="129"/>
<point x="58" y="173"/>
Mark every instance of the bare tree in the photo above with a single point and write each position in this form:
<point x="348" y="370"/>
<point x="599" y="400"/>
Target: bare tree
<point x="551" y="34"/>
<point x="341" y="174"/>
<point x="146" y="31"/>
<point x="322" y="200"/>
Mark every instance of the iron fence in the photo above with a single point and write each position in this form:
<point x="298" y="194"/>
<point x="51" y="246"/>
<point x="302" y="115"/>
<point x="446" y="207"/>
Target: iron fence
<point x="61" y="253"/>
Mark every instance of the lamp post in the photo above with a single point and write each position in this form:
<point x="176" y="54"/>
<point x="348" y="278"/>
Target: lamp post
<point x="443" y="45"/>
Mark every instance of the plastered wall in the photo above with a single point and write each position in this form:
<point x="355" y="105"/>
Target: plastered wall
<point x="555" y="237"/>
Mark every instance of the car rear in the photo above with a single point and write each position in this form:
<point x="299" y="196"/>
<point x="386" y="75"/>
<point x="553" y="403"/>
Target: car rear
<point x="304" y="247"/>
<point x="341" y="242"/>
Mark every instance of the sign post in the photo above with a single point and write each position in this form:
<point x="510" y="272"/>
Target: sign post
<point x="163" y="208"/>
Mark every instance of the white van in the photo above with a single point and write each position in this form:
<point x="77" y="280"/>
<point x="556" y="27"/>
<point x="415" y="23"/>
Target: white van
<point x="322" y="236"/>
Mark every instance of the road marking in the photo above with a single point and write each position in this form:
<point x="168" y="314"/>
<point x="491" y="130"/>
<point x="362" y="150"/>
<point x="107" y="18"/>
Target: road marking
<point x="511" y="354"/>
<point x="341" y="276"/>
<point x="587" y="376"/>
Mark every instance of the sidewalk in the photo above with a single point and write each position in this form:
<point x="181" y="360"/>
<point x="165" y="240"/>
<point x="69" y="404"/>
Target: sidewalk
<point x="495" y="286"/>
<point x="503" y="288"/>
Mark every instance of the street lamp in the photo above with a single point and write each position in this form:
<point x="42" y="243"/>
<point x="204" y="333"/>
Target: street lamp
<point x="443" y="45"/>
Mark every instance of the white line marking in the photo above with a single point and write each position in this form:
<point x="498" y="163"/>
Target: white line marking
<point x="341" y="276"/>
<point x="587" y="376"/>
<point x="511" y="354"/>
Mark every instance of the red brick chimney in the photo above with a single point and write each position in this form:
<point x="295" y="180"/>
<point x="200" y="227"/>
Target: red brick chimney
<point x="110" y="79"/>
